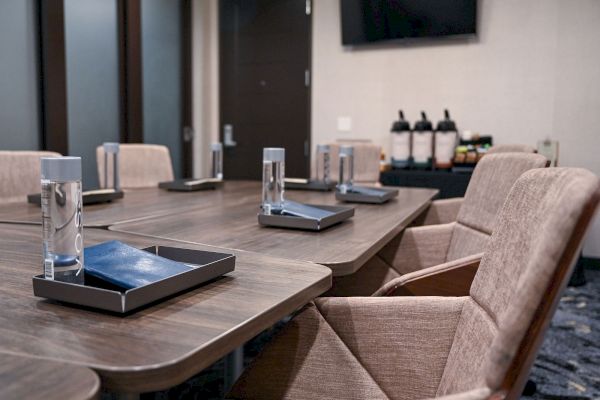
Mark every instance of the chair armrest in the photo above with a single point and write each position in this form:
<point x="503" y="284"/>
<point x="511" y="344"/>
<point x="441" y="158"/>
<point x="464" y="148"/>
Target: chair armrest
<point x="441" y="211"/>
<point x="483" y="393"/>
<point x="417" y="248"/>
<point x="453" y="278"/>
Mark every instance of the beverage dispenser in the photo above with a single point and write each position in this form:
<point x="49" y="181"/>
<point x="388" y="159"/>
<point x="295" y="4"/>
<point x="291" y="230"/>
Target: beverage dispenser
<point x="446" y="138"/>
<point x="422" y="143"/>
<point x="401" y="138"/>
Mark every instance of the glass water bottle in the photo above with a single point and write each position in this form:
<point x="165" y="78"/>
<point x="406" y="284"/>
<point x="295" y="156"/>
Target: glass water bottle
<point x="273" y="176"/>
<point x="346" y="168"/>
<point x="217" y="160"/>
<point x="111" y="148"/>
<point x="62" y="228"/>
<point x="323" y="163"/>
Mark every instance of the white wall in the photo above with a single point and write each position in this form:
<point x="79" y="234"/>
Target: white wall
<point x="533" y="72"/>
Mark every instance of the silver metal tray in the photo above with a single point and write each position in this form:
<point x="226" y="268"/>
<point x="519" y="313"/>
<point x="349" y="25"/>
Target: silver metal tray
<point x="342" y="213"/>
<point x="191" y="185"/>
<point x="380" y="196"/>
<point x="102" y="295"/>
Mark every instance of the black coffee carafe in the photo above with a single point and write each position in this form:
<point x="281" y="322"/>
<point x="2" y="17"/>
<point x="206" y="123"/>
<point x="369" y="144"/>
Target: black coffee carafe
<point x="445" y="141"/>
<point x="401" y="138"/>
<point x="422" y="143"/>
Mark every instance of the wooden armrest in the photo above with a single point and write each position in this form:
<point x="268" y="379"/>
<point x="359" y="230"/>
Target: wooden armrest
<point x="453" y="278"/>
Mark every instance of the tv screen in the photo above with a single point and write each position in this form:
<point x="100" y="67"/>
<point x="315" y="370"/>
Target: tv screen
<point x="366" y="21"/>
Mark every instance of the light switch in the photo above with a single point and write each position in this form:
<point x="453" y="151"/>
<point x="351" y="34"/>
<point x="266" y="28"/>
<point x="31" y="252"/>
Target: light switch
<point x="344" y="124"/>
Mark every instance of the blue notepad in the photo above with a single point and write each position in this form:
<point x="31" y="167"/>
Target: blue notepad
<point x="304" y="211"/>
<point x="128" y="267"/>
<point x="367" y="191"/>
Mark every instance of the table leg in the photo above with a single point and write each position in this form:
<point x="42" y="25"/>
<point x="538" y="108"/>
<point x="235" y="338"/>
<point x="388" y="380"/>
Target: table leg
<point x="234" y="365"/>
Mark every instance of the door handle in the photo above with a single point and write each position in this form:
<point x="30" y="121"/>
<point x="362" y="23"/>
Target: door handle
<point x="228" y="136"/>
<point x="188" y="134"/>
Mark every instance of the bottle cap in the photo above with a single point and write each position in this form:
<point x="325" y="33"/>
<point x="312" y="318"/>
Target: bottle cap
<point x="446" y="125"/>
<point x="111" y="147"/>
<point x="216" y="146"/>
<point x="323" y="148"/>
<point x="61" y="169"/>
<point x="423" y="124"/>
<point x="401" y="125"/>
<point x="346" y="150"/>
<point x="274" y="154"/>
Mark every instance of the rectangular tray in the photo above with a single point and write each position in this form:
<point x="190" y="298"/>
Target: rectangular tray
<point x="309" y="184"/>
<point x="342" y="213"/>
<point x="104" y="296"/>
<point x="385" y="195"/>
<point x="191" y="185"/>
<point x="88" y="197"/>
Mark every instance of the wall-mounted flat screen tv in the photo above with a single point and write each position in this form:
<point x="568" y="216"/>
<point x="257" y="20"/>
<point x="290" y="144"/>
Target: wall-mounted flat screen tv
<point x="368" y="21"/>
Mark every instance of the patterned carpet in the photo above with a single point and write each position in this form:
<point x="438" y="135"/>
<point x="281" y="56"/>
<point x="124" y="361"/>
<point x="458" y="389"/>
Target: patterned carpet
<point x="568" y="366"/>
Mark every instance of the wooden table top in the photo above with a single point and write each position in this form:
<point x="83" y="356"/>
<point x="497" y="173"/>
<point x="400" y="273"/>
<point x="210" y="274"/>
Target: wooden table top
<point x="159" y="346"/>
<point x="137" y="204"/>
<point x="232" y="223"/>
<point x="35" y="379"/>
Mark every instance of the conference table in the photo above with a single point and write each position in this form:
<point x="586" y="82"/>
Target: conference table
<point x="159" y="346"/>
<point x="277" y="272"/>
<point x="137" y="204"/>
<point x="34" y="379"/>
<point x="231" y="221"/>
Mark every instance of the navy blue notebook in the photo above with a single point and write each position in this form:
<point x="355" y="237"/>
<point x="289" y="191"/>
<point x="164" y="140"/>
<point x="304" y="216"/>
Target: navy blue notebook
<point x="305" y="211"/>
<point x="367" y="191"/>
<point x="128" y="267"/>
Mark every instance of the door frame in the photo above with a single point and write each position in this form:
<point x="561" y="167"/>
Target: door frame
<point x="309" y="7"/>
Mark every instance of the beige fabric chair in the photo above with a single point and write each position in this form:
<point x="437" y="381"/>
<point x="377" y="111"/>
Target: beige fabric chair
<point x="425" y="246"/>
<point x="511" y="148"/>
<point x="140" y="165"/>
<point x="471" y="347"/>
<point x="20" y="174"/>
<point x="366" y="161"/>
<point x="444" y="211"/>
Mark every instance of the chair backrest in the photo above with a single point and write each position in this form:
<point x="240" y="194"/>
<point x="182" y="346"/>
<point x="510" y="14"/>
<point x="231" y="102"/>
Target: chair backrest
<point x="492" y="179"/>
<point x="20" y="173"/>
<point x="531" y="253"/>
<point x="366" y="161"/>
<point x="511" y="148"/>
<point x="140" y="165"/>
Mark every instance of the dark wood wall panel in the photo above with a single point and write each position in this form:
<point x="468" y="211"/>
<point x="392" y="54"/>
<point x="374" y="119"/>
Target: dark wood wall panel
<point x="53" y="86"/>
<point x="130" y="71"/>
<point x="186" y="88"/>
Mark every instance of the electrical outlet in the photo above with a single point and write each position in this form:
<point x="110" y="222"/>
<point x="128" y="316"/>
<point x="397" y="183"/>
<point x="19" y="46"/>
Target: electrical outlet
<point x="344" y="124"/>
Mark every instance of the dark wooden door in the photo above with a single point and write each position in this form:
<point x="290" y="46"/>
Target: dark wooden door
<point x="265" y="84"/>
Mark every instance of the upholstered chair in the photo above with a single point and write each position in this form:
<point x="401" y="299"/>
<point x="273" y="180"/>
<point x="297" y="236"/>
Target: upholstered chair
<point x="20" y="174"/>
<point x="474" y="347"/>
<point x="421" y="247"/>
<point x="140" y="165"/>
<point x="511" y="148"/>
<point x="443" y="211"/>
<point x="366" y="161"/>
